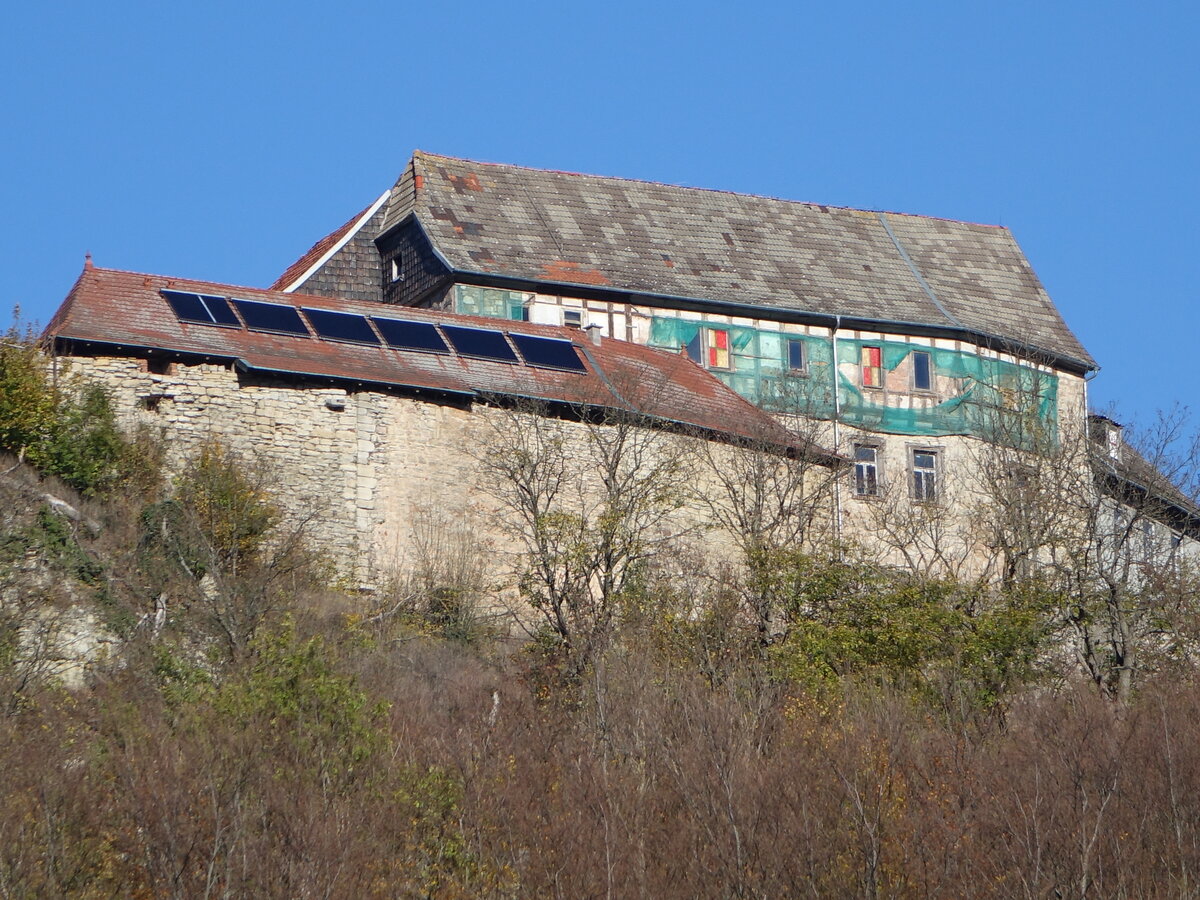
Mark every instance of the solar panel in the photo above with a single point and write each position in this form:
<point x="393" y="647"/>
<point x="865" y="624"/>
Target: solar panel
<point x="270" y="317"/>
<point x="202" y="309"/>
<point x="338" y="326"/>
<point x="548" y="353"/>
<point x="188" y="307"/>
<point x="481" y="343"/>
<point x="221" y="313"/>
<point x="404" y="335"/>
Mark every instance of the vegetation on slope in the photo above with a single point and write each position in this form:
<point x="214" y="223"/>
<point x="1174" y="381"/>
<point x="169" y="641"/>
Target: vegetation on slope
<point x="807" y="724"/>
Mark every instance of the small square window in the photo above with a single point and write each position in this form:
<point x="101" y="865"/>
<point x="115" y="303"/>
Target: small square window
<point x="872" y="367"/>
<point x="572" y="318"/>
<point x="925" y="476"/>
<point x="866" y="471"/>
<point x="795" y="356"/>
<point x="922" y="371"/>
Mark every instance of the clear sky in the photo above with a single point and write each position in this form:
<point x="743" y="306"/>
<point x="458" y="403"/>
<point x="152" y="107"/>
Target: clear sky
<point x="220" y="140"/>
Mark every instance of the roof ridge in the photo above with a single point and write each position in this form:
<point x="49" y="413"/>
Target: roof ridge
<point x="688" y="187"/>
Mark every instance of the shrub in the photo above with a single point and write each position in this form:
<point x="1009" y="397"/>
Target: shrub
<point x="64" y="426"/>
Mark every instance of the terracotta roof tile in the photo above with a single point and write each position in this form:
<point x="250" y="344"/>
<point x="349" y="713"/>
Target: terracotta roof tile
<point x="316" y="251"/>
<point x="109" y="309"/>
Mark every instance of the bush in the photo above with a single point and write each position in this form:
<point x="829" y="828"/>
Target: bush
<point x="64" y="426"/>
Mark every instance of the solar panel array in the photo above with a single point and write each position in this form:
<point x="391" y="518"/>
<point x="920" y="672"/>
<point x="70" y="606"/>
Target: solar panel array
<point x="397" y="334"/>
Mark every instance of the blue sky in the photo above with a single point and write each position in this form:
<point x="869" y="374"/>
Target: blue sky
<point x="220" y="140"/>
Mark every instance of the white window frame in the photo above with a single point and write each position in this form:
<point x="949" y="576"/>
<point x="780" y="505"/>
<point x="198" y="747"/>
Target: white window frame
<point x="873" y="465"/>
<point x="925" y="481"/>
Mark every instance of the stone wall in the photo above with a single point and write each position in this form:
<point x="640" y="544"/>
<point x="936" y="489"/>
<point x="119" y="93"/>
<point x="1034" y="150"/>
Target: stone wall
<point x="359" y="468"/>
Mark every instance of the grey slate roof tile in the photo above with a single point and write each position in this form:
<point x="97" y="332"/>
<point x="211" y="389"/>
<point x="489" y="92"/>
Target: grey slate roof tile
<point x="609" y="232"/>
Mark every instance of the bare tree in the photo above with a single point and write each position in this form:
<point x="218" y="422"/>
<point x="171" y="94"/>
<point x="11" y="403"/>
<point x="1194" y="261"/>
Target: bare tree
<point x="588" y="503"/>
<point x="769" y="500"/>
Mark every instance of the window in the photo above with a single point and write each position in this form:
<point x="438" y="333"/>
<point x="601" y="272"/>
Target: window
<point x="397" y="272"/>
<point x="573" y="318"/>
<point x="710" y="347"/>
<point x="1148" y="542"/>
<point x="872" y="367"/>
<point x="795" y="355"/>
<point x="866" y="471"/>
<point x="922" y="371"/>
<point x="925" y="477"/>
<point x="718" y="348"/>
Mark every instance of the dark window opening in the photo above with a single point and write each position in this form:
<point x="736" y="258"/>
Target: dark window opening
<point x="795" y="359"/>
<point x="922" y="371"/>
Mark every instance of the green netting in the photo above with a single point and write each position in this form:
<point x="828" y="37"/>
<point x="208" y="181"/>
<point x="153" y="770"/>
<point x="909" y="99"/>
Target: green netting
<point x="987" y="397"/>
<point x="495" y="304"/>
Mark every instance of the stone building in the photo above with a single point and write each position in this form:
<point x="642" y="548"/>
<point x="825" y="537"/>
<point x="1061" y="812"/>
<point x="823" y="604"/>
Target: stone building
<point x="923" y="354"/>
<point x="917" y="343"/>
<point x="372" y="417"/>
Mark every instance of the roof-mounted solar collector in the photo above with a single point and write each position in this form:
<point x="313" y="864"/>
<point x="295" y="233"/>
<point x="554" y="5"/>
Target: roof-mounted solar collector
<point x="480" y="343"/>
<point x="339" y="326"/>
<point x="271" y="317"/>
<point x="548" y="353"/>
<point x="404" y="335"/>
<point x="201" y="309"/>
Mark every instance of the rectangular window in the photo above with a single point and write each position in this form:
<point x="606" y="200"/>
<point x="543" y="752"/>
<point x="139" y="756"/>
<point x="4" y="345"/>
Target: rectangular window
<point x="922" y="371"/>
<point x="795" y="356"/>
<point x="925" y="477"/>
<point x="718" y="348"/>
<point x="872" y="367"/>
<point x="572" y="318"/>
<point x="866" y="471"/>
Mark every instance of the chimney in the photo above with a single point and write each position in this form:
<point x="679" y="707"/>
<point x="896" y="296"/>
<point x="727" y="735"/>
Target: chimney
<point x="594" y="332"/>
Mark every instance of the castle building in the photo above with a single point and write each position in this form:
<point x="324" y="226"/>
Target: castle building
<point x="903" y="349"/>
<point x="908" y="339"/>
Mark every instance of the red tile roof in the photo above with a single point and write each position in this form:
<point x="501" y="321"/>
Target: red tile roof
<point x="316" y="251"/>
<point x="111" y="310"/>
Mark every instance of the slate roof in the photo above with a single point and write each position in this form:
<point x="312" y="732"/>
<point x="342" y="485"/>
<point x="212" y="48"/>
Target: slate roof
<point x="660" y="240"/>
<point x="115" y="311"/>
<point x="1131" y="476"/>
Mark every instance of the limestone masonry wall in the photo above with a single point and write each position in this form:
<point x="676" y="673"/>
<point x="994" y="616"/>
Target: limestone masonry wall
<point x="360" y="467"/>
